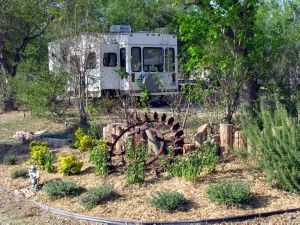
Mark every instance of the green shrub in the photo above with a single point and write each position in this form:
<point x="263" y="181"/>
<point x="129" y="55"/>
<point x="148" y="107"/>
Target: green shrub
<point x="274" y="137"/>
<point x="99" y="157"/>
<point x="168" y="201"/>
<point x="135" y="172"/>
<point x="188" y="167"/>
<point x="10" y="159"/>
<point x="19" y="173"/>
<point x="83" y="141"/>
<point x="49" y="161"/>
<point x="38" y="143"/>
<point x="69" y="165"/>
<point x="60" y="189"/>
<point x="210" y="157"/>
<point x="229" y="192"/>
<point x="97" y="196"/>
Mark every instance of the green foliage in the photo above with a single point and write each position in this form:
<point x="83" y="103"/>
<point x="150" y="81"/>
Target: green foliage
<point x="191" y="165"/>
<point x="188" y="167"/>
<point x="16" y="173"/>
<point x="274" y="136"/>
<point x="61" y="189"/>
<point x="49" y="161"/>
<point x="83" y="141"/>
<point x="135" y="172"/>
<point x="97" y="196"/>
<point x="168" y="201"/>
<point x="10" y="159"/>
<point x="210" y="156"/>
<point x="229" y="192"/>
<point x="69" y="165"/>
<point x="39" y="94"/>
<point x="38" y="143"/>
<point x="41" y="156"/>
<point x="99" y="157"/>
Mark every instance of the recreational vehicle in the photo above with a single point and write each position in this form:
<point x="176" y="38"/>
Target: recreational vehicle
<point x="120" y="61"/>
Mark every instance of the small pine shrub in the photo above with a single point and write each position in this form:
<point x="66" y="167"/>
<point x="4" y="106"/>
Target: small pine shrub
<point x="274" y="137"/>
<point x="97" y="196"/>
<point x="229" y="192"/>
<point x="99" y="157"/>
<point x="83" y="141"/>
<point x="135" y="172"/>
<point x="17" y="173"/>
<point x="69" y="165"/>
<point x="168" y="201"/>
<point x="10" y="159"/>
<point x="61" y="189"/>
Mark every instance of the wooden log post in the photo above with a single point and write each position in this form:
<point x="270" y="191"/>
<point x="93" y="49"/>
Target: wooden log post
<point x="226" y="137"/>
<point x="104" y="133"/>
<point x="239" y="141"/>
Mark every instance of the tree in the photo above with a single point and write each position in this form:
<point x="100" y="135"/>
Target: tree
<point x="21" y="22"/>
<point x="219" y="38"/>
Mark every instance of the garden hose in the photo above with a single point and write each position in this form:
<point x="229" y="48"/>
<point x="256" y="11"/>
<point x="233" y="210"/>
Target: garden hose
<point x="231" y="219"/>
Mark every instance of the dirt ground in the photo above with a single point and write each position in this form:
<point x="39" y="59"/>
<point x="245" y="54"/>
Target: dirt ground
<point x="16" y="210"/>
<point x="19" y="210"/>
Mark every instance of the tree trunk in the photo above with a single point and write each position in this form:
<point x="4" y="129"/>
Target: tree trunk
<point x="252" y="94"/>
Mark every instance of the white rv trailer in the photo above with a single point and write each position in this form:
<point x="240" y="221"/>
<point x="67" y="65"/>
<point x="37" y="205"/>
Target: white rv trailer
<point x="145" y="57"/>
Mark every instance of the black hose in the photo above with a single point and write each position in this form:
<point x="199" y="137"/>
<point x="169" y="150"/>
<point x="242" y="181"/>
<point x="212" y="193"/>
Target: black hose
<point x="183" y="222"/>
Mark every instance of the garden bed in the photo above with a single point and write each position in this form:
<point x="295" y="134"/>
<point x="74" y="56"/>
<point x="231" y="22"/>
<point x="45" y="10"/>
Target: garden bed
<point x="133" y="202"/>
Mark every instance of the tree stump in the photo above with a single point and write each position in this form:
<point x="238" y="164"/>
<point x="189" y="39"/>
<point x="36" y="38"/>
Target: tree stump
<point x="239" y="141"/>
<point x="226" y="138"/>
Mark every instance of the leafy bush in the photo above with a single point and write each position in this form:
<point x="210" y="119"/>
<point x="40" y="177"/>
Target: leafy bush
<point x="19" y="173"/>
<point x="38" y="143"/>
<point x="49" y="161"/>
<point x="99" y="157"/>
<point x="229" y="192"/>
<point x="168" y="201"/>
<point x="188" y="167"/>
<point x="96" y="196"/>
<point x="83" y="141"/>
<point x="60" y="189"/>
<point x="69" y="165"/>
<point x="39" y="94"/>
<point x="210" y="157"/>
<point x="41" y="156"/>
<point x="274" y="138"/>
<point x="135" y="172"/>
<point x="10" y="159"/>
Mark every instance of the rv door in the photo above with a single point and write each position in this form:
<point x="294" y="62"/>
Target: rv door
<point x="109" y="64"/>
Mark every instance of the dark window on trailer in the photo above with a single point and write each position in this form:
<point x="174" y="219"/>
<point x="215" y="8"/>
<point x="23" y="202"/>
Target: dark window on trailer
<point x="123" y="58"/>
<point x="136" y="59"/>
<point x="91" y="61"/>
<point x="170" y="60"/>
<point x="153" y="60"/>
<point x="110" y="59"/>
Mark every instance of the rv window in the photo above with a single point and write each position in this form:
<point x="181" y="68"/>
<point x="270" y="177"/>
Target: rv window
<point x="110" y="59"/>
<point x="153" y="60"/>
<point x="91" y="61"/>
<point x="136" y="59"/>
<point x="123" y="58"/>
<point x="170" y="59"/>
